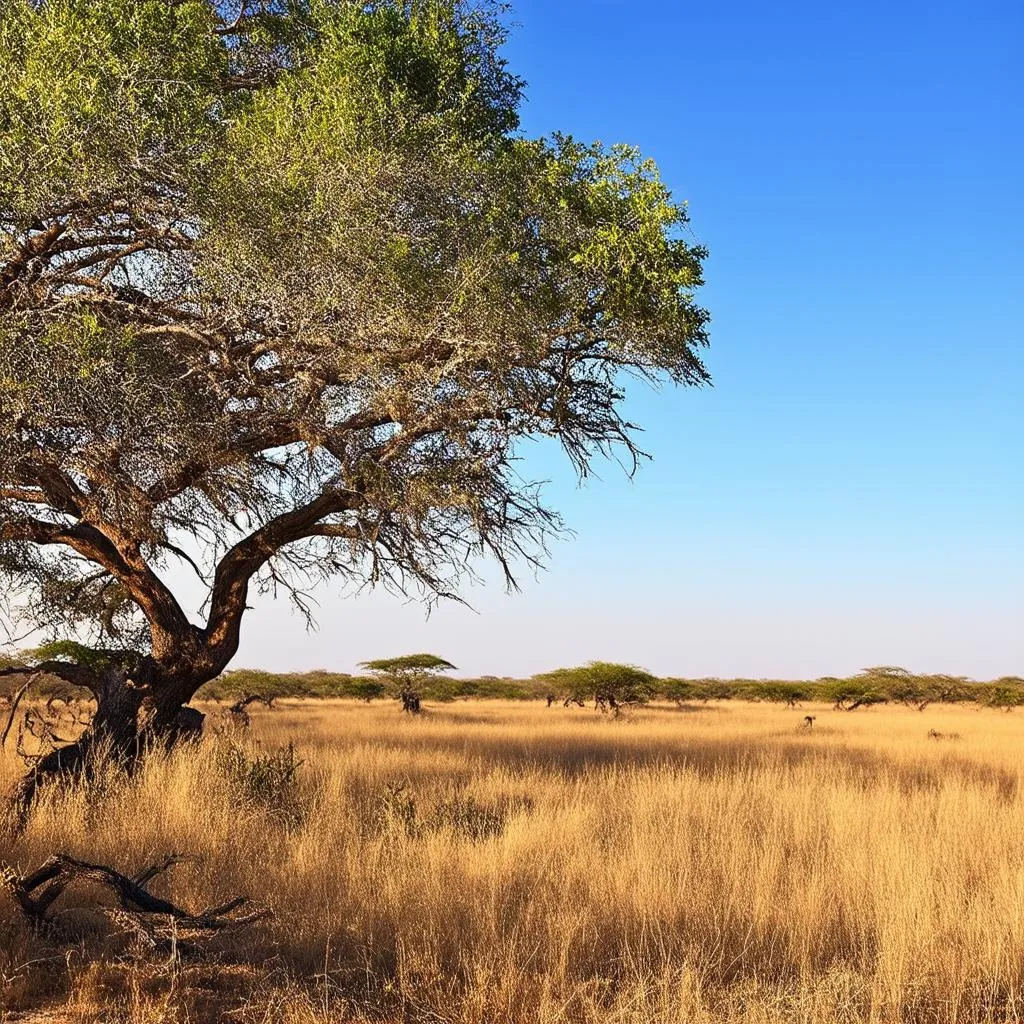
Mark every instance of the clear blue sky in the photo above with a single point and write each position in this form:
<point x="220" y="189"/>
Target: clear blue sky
<point x="851" y="491"/>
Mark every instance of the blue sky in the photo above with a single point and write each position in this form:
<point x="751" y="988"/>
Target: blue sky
<point x="851" y="490"/>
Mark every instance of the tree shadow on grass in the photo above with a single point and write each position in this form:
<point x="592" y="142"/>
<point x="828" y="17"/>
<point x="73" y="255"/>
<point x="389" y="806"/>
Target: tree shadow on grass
<point x="575" y="756"/>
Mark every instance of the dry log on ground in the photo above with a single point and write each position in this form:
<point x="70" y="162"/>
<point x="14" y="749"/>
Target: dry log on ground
<point x="156" y="924"/>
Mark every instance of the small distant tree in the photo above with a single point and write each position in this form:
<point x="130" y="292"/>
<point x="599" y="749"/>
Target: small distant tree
<point x="611" y="686"/>
<point x="862" y="690"/>
<point x="715" y="689"/>
<point x="887" y="672"/>
<point x="945" y="689"/>
<point x="682" y="690"/>
<point x="366" y="690"/>
<point x="919" y="690"/>
<point x="1005" y="693"/>
<point x="407" y="675"/>
<point x="245" y="682"/>
<point x="679" y="691"/>
<point x="790" y="694"/>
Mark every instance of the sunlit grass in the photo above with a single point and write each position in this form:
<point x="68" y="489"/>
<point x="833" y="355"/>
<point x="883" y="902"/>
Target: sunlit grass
<point x="505" y="862"/>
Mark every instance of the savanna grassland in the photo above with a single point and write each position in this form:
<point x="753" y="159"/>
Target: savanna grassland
<point x="507" y="862"/>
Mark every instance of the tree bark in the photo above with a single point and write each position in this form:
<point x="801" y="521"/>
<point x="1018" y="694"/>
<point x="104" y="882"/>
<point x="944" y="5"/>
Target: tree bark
<point x="142" y="702"/>
<point x="136" y="712"/>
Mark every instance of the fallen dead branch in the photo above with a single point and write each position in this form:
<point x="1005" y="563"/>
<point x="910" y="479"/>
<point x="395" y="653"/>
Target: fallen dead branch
<point x="155" y="924"/>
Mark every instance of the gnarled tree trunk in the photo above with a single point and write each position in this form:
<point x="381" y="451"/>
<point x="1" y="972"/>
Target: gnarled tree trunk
<point x="142" y="700"/>
<point x="139" y="707"/>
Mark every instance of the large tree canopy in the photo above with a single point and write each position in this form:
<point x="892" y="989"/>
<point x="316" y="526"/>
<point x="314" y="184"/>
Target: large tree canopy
<point x="282" y="286"/>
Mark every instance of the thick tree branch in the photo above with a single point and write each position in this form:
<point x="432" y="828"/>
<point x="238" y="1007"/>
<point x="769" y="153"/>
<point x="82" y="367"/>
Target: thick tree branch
<point x="33" y="248"/>
<point x="248" y="556"/>
<point x="74" y="675"/>
<point x="169" y="624"/>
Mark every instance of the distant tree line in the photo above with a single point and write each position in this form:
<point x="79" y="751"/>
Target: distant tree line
<point x="612" y="687"/>
<point x="606" y="686"/>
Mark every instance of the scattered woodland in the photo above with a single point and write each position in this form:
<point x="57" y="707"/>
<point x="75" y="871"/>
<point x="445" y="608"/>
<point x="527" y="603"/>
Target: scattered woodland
<point x="609" y="687"/>
<point x="881" y="685"/>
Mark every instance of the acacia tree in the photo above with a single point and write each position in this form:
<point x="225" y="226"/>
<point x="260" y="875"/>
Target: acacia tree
<point x="609" y="685"/>
<point x="282" y="291"/>
<point x="407" y="673"/>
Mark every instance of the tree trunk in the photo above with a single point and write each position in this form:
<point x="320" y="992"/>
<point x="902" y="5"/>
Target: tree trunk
<point x="134" y="714"/>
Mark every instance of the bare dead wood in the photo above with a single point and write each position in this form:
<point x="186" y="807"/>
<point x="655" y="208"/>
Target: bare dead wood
<point x="155" y="923"/>
<point x="18" y="697"/>
<point x="240" y="707"/>
<point x="237" y="715"/>
<point x="146" y="875"/>
<point x="77" y="677"/>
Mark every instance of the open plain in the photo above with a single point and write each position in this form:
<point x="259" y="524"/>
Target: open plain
<point x="494" y="861"/>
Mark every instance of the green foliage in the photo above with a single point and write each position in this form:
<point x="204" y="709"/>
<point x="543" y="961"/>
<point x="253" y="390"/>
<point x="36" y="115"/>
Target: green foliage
<point x="920" y="691"/>
<point x="865" y="689"/>
<point x="682" y="691"/>
<point x="720" y="689"/>
<point x="606" y="683"/>
<point x="70" y="650"/>
<point x="498" y="688"/>
<point x="1005" y="694"/>
<point x="850" y="693"/>
<point x="442" y="689"/>
<point x="778" y="692"/>
<point x="406" y="677"/>
<point x="407" y="663"/>
<point x="90" y="89"/>
<point x="302" y="261"/>
<point x="447" y="688"/>
<point x="364" y="689"/>
<point x="243" y="682"/>
<point x="679" y="690"/>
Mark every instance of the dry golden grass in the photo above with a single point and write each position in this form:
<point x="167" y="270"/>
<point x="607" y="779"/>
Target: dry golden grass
<point x="715" y="863"/>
